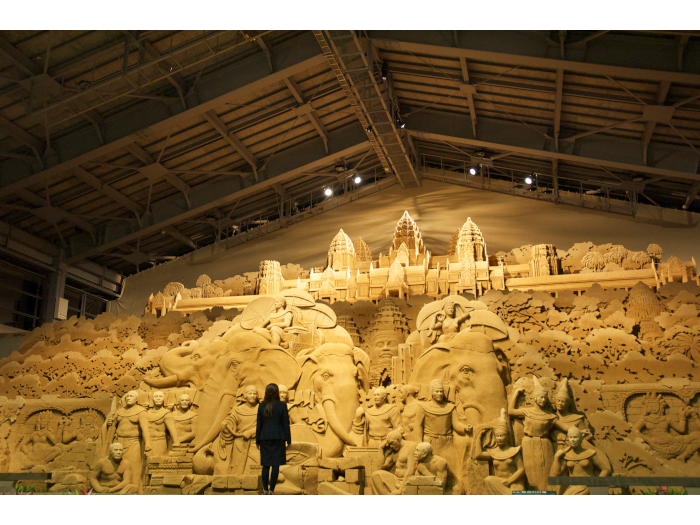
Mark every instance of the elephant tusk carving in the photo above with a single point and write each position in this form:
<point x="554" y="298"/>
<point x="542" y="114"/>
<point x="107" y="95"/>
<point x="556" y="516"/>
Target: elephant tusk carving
<point x="334" y="422"/>
<point x="162" y="382"/>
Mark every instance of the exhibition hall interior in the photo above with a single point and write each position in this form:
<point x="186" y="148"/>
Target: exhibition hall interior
<point x="467" y="259"/>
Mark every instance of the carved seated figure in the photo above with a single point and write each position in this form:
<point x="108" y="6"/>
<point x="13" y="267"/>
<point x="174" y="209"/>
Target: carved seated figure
<point x="507" y="468"/>
<point x="655" y="428"/>
<point x="87" y="430"/>
<point x="113" y="474"/>
<point x="579" y="462"/>
<point x="280" y="324"/>
<point x="372" y="425"/>
<point x="427" y="464"/>
<point x="41" y="446"/>
<point x="398" y="459"/>
<point x="446" y="324"/>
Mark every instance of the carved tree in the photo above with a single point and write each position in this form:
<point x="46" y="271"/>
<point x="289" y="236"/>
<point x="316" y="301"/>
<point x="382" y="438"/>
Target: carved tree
<point x="593" y="261"/>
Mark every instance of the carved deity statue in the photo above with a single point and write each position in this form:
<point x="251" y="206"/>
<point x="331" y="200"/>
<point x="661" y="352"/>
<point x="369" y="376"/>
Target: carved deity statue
<point x="41" y="446"/>
<point x="408" y="394"/>
<point x="539" y="421"/>
<point x="185" y="419"/>
<point x="397" y="460"/>
<point x="87" y="430"/>
<point x="568" y="418"/>
<point x="435" y="423"/>
<point x="160" y="424"/>
<point x="373" y="424"/>
<point x="507" y="470"/>
<point x="113" y="474"/>
<point x="656" y="425"/>
<point x="129" y="426"/>
<point x="232" y="448"/>
<point x="578" y="462"/>
<point x="292" y="410"/>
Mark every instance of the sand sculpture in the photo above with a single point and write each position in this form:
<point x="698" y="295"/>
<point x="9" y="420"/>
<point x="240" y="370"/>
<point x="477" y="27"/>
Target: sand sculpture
<point x="408" y="373"/>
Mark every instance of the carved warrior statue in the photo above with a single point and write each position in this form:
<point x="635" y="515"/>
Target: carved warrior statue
<point x="161" y="424"/>
<point x="185" y="419"/>
<point x="373" y="424"/>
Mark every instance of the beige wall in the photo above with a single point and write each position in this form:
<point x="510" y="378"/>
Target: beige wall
<point x="506" y="222"/>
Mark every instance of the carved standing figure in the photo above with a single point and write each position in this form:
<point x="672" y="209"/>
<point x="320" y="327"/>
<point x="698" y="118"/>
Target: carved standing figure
<point x="293" y="410"/>
<point x="373" y="424"/>
<point x="160" y="424"/>
<point x="397" y="459"/>
<point x="113" y="474"/>
<point x="507" y="467"/>
<point x="408" y="395"/>
<point x="579" y="462"/>
<point x="232" y="449"/>
<point x="436" y="421"/>
<point x="129" y="426"/>
<point x="538" y="451"/>
<point x="185" y="419"/>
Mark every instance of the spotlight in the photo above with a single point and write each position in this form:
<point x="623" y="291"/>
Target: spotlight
<point x="357" y="179"/>
<point x="400" y="123"/>
<point x="528" y="180"/>
<point x="368" y="129"/>
<point x="328" y="192"/>
<point x="385" y="70"/>
<point x="472" y="171"/>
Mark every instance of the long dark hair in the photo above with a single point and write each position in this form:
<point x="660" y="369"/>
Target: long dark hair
<point x="272" y="394"/>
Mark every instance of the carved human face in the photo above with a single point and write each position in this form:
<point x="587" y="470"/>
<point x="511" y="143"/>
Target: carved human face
<point x="185" y="402"/>
<point x="501" y="437"/>
<point x="130" y="398"/>
<point x="385" y="345"/>
<point x="573" y="437"/>
<point x="280" y="303"/>
<point x="450" y="309"/>
<point x="438" y="394"/>
<point x="158" y="399"/>
<point x="284" y="393"/>
<point x="379" y="397"/>
<point x="251" y="395"/>
<point x="421" y="452"/>
<point x="562" y="403"/>
<point x="541" y="400"/>
<point x="116" y="450"/>
<point x="394" y="443"/>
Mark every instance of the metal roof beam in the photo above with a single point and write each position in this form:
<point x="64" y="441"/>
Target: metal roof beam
<point x="650" y="125"/>
<point x="536" y="62"/>
<point x="109" y="192"/>
<point x="22" y="136"/>
<point x="18" y="58"/>
<point x="179" y="236"/>
<point x="305" y="108"/>
<point x="47" y="212"/>
<point x="245" y="78"/>
<point x="350" y="139"/>
<point x="559" y="91"/>
<point x="231" y="138"/>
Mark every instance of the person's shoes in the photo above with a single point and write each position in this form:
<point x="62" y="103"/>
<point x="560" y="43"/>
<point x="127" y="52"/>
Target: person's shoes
<point x="266" y="492"/>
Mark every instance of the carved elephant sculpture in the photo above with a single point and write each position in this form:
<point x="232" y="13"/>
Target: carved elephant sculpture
<point x="248" y="359"/>
<point x="187" y="365"/>
<point x="476" y="370"/>
<point x="335" y="374"/>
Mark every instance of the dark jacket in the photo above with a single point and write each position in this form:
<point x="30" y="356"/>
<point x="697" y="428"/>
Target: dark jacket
<point x="275" y="426"/>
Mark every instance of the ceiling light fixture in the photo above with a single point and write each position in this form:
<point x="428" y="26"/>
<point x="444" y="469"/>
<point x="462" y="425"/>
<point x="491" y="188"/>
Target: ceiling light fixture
<point x="472" y="171"/>
<point x="400" y="123"/>
<point x="385" y="70"/>
<point x="528" y="180"/>
<point x="357" y="179"/>
<point x="328" y="192"/>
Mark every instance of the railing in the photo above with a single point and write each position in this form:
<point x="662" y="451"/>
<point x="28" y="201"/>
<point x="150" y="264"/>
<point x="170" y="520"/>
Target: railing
<point x="591" y="194"/>
<point x="601" y="485"/>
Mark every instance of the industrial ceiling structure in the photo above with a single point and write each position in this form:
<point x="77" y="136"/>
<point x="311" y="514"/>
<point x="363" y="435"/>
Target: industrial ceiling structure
<point x="122" y="149"/>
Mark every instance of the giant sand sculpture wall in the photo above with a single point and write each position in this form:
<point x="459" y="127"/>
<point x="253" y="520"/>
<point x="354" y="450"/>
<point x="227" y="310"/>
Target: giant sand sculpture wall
<point x="404" y="372"/>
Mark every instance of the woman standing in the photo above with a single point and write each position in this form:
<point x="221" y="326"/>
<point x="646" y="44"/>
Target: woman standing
<point x="271" y="435"/>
